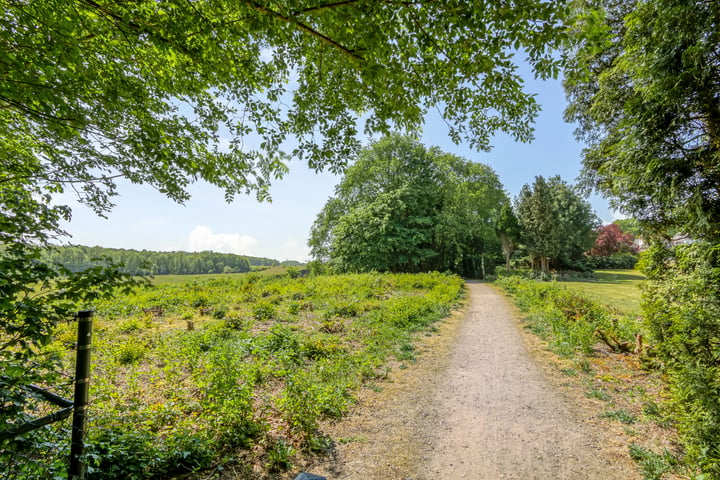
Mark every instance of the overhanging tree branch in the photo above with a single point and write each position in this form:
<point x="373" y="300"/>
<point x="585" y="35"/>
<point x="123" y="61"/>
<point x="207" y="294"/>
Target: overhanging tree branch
<point x="307" y="29"/>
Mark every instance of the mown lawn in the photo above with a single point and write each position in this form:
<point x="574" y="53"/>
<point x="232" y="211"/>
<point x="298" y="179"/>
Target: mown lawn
<point x="619" y="289"/>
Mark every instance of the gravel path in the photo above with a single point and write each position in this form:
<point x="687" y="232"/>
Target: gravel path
<point x="475" y="405"/>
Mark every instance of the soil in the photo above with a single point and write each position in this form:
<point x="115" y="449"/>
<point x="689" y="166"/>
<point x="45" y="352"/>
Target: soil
<point x="479" y="402"/>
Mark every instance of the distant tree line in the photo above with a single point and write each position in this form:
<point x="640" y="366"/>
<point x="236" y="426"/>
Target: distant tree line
<point x="145" y="262"/>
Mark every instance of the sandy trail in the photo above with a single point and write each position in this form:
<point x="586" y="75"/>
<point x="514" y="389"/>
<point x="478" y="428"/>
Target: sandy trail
<point x="475" y="406"/>
<point x="502" y="417"/>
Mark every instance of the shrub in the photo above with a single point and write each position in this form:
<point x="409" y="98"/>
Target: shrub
<point x="119" y="453"/>
<point x="184" y="453"/>
<point x="571" y="322"/>
<point x="264" y="311"/>
<point x="342" y="310"/>
<point x="278" y="457"/>
<point x="132" y="324"/>
<point x="131" y="351"/>
<point x="293" y="308"/>
<point x="624" y="261"/>
<point x="682" y="309"/>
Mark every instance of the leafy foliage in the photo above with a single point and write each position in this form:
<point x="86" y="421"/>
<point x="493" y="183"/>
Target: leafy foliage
<point x="402" y="207"/>
<point x="629" y="225"/>
<point x="556" y="222"/>
<point x="642" y="83"/>
<point x="251" y="387"/>
<point x="687" y="330"/>
<point x="508" y="231"/>
<point x="34" y="298"/>
<point x="570" y="321"/>
<point x="621" y="262"/>
<point x="146" y="89"/>
<point x="611" y="240"/>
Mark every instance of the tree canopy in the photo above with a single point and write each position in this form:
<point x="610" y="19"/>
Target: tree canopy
<point x="168" y="92"/>
<point x="611" y="240"/>
<point x="556" y="222"/>
<point x="403" y="207"/>
<point x="643" y="80"/>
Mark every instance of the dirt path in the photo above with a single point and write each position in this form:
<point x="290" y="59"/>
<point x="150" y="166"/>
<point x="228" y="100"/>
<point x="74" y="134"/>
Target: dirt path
<point x="475" y="405"/>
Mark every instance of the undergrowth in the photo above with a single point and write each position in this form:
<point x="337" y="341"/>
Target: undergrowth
<point x="205" y="375"/>
<point x="570" y="321"/>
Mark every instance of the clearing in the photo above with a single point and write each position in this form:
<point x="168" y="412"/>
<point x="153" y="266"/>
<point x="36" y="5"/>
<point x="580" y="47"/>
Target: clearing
<point x="478" y="405"/>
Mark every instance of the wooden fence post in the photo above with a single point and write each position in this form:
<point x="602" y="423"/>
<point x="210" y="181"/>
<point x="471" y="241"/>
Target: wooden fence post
<point x="77" y="468"/>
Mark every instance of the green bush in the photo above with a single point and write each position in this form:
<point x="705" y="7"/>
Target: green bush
<point x="183" y="453"/>
<point x="624" y="261"/>
<point x="131" y="351"/>
<point x="279" y="457"/>
<point x="115" y="453"/>
<point x="571" y="322"/>
<point x="264" y="311"/>
<point x="682" y="308"/>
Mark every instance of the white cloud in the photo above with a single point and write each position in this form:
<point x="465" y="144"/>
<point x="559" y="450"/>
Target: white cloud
<point x="202" y="238"/>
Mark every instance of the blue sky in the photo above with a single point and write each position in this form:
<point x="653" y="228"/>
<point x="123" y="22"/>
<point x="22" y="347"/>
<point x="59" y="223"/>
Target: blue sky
<point x="145" y="219"/>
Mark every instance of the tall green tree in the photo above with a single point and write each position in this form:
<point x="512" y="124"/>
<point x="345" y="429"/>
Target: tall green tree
<point x="402" y="207"/>
<point x="556" y="223"/>
<point x="538" y="218"/>
<point x="642" y="80"/>
<point x="508" y="231"/>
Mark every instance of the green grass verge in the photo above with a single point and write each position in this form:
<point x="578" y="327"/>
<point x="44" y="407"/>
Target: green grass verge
<point x="619" y="289"/>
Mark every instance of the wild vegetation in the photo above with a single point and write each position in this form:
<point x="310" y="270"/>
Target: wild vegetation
<point x="604" y="350"/>
<point x="234" y="373"/>
<point x="641" y="77"/>
<point x="167" y="93"/>
<point x="145" y="90"/>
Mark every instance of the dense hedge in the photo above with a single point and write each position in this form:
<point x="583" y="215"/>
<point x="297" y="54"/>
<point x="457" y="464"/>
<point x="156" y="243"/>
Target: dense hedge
<point x="625" y="261"/>
<point x="682" y="308"/>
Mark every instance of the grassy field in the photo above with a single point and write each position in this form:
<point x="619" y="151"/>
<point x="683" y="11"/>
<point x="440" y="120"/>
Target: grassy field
<point x="619" y="289"/>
